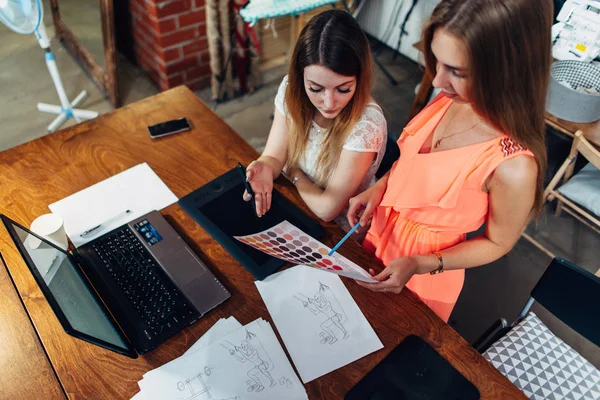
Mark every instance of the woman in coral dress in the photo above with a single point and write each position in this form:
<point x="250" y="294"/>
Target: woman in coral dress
<point x="474" y="155"/>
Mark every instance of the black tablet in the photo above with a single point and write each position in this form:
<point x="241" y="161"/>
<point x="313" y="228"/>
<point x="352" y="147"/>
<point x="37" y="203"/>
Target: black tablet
<point x="413" y="370"/>
<point x="220" y="210"/>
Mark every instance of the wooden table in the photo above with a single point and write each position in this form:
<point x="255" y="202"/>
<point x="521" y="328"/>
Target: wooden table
<point x="50" y="168"/>
<point x="591" y="130"/>
<point x="25" y="369"/>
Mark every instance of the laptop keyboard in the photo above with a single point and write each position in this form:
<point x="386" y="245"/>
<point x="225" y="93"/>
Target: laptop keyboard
<point x="158" y="301"/>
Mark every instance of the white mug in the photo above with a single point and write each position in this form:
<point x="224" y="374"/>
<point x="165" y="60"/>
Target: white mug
<point x="51" y="227"/>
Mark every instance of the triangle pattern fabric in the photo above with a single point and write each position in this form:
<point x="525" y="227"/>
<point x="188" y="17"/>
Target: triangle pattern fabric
<point x="542" y="365"/>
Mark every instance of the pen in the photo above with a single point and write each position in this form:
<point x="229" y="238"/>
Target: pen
<point x="247" y="185"/>
<point x="245" y="179"/>
<point x="95" y="228"/>
<point x="350" y="232"/>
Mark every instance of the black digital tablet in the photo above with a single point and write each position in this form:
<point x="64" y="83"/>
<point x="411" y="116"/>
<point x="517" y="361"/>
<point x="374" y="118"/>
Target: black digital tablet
<point x="413" y="371"/>
<point x="220" y="210"/>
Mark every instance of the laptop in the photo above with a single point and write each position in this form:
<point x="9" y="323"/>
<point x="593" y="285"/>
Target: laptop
<point x="128" y="290"/>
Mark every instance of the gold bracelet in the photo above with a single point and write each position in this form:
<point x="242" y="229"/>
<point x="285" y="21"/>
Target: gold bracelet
<point x="440" y="267"/>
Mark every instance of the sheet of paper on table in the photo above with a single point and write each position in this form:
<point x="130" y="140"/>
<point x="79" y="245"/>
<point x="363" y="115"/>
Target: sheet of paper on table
<point x="230" y="362"/>
<point x="137" y="189"/>
<point x="320" y="324"/>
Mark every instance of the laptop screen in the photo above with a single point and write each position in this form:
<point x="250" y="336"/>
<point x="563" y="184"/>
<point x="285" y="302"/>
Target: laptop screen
<point x="66" y="291"/>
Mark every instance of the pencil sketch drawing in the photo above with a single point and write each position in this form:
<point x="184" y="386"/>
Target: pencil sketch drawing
<point x="251" y="350"/>
<point x="324" y="302"/>
<point x="197" y="389"/>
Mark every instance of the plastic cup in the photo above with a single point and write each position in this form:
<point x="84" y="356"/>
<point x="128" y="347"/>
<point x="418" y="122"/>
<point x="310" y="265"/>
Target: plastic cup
<point x="51" y="227"/>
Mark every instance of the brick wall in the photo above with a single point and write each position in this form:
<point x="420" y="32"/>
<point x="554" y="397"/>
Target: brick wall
<point x="170" y="41"/>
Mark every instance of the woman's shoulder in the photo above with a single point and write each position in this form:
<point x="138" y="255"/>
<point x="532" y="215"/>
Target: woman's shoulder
<point x="370" y="131"/>
<point x="373" y="114"/>
<point x="517" y="171"/>
<point x="280" y="96"/>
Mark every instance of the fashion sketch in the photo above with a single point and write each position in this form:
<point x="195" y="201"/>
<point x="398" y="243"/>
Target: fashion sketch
<point x="251" y="350"/>
<point x="324" y="302"/>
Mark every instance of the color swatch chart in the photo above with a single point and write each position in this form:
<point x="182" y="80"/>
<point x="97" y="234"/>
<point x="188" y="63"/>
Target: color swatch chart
<point x="289" y="243"/>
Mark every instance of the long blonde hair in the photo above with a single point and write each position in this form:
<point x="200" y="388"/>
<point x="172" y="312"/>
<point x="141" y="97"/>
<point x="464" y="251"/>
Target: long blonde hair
<point x="509" y="46"/>
<point x="332" y="39"/>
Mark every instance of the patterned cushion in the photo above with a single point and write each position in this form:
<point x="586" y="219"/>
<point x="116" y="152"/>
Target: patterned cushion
<point x="584" y="188"/>
<point x="258" y="9"/>
<point x="542" y="365"/>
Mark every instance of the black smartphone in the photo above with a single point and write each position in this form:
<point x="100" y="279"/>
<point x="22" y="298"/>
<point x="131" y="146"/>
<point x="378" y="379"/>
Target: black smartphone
<point x="169" y="127"/>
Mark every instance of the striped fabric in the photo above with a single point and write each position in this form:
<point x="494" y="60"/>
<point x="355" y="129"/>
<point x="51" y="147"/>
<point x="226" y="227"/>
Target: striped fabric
<point x="258" y="9"/>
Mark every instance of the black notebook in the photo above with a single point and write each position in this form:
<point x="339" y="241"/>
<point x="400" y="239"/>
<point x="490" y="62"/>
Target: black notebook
<point x="413" y="371"/>
<point x="220" y="210"/>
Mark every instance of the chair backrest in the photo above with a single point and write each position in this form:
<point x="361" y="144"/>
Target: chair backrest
<point x="572" y="294"/>
<point x="587" y="149"/>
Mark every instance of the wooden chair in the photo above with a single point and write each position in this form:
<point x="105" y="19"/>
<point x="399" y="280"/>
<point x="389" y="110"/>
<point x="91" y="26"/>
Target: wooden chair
<point x="580" y="147"/>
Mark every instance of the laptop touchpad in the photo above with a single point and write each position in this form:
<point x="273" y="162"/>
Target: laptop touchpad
<point x="185" y="267"/>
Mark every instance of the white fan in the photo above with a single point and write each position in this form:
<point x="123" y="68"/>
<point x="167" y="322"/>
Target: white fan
<point x="25" y="16"/>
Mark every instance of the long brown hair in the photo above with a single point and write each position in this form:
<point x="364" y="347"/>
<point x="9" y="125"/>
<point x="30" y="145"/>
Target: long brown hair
<point x="509" y="46"/>
<point x="332" y="39"/>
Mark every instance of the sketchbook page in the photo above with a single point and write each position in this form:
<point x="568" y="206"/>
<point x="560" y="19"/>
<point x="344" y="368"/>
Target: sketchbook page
<point x="248" y="363"/>
<point x="318" y="320"/>
<point x="221" y="328"/>
<point x="289" y="243"/>
<point x="137" y="189"/>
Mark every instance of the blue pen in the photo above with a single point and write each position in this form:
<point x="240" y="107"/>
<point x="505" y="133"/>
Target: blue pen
<point x="350" y="232"/>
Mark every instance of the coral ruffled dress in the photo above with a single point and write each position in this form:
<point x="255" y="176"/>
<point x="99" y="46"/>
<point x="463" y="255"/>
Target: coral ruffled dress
<point x="433" y="200"/>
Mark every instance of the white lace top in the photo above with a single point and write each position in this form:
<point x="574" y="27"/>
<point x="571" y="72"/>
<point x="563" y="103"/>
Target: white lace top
<point x="368" y="135"/>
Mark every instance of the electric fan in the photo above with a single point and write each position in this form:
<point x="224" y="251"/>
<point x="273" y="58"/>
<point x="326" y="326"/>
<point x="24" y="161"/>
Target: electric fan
<point x="25" y="16"/>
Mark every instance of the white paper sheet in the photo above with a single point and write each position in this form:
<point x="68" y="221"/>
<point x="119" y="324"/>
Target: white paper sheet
<point x="138" y="189"/>
<point x="247" y="364"/>
<point x="222" y="327"/>
<point x="138" y="396"/>
<point x="318" y="320"/>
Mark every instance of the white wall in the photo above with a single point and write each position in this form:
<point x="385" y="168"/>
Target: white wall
<point x="377" y="15"/>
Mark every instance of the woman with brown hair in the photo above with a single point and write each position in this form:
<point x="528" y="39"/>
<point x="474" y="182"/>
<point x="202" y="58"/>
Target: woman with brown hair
<point x="327" y="131"/>
<point x="474" y="155"/>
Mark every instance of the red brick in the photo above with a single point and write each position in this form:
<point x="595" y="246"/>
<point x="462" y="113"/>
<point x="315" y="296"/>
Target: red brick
<point x="199" y="84"/>
<point x="153" y="60"/>
<point x="202" y="30"/>
<point x="172" y="7"/>
<point x="177" y="37"/>
<point x="199" y="3"/>
<point x="204" y="57"/>
<point x="183" y="65"/>
<point x="171" y="55"/>
<point x="197" y="72"/>
<point x="149" y="26"/>
<point x="146" y="32"/>
<point x="142" y="41"/>
<point x="175" y="80"/>
<point x="192" y="18"/>
<point x="167" y="25"/>
<point x="144" y="6"/>
<point x="195" y="47"/>
<point x="164" y="84"/>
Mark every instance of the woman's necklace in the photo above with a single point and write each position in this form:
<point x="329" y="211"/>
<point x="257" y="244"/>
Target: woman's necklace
<point x="439" y="141"/>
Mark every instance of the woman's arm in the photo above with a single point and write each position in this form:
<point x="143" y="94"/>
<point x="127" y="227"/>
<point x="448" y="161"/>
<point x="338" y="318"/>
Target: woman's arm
<point x="512" y="193"/>
<point x="261" y="172"/>
<point x="275" y="152"/>
<point x="343" y="184"/>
